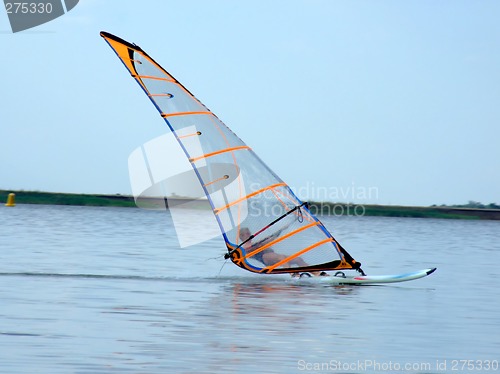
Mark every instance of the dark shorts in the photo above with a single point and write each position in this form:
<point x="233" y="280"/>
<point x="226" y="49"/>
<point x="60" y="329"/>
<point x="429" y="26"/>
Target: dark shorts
<point x="259" y="256"/>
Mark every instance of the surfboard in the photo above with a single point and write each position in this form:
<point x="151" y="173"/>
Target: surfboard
<point x="340" y="278"/>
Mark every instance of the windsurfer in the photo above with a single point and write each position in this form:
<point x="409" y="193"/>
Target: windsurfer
<point x="268" y="257"/>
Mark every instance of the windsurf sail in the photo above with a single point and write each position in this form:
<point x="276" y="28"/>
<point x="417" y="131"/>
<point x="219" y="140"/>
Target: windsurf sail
<point x="256" y="211"/>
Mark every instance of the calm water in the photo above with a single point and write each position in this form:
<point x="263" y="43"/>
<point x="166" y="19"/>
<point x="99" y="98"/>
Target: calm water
<point x="107" y="290"/>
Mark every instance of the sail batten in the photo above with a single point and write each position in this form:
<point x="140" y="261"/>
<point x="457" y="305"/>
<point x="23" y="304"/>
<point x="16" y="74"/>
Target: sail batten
<point x="258" y="214"/>
<point x="231" y="149"/>
<point x="264" y="189"/>
<point x="152" y="77"/>
<point x="167" y="115"/>
<point x="281" y="238"/>
<point x="297" y="254"/>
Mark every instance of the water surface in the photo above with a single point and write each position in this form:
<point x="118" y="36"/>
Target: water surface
<point x="108" y="290"/>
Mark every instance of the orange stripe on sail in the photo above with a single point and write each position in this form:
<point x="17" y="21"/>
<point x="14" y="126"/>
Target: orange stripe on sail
<point x="216" y="211"/>
<point x="217" y="122"/>
<point x="264" y="247"/>
<point x="299" y="253"/>
<point x="152" y="77"/>
<point x="277" y="198"/>
<point x="166" y="115"/>
<point x="216" y="180"/>
<point x="206" y="155"/>
<point x="197" y="133"/>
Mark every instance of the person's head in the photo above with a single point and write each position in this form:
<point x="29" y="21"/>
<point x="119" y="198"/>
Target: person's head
<point x="244" y="233"/>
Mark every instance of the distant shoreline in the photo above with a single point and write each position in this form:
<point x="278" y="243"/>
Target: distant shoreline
<point x="320" y="208"/>
<point x="60" y="198"/>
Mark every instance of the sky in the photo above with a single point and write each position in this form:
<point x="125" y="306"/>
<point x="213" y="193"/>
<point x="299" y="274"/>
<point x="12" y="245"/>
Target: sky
<point x="377" y="102"/>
